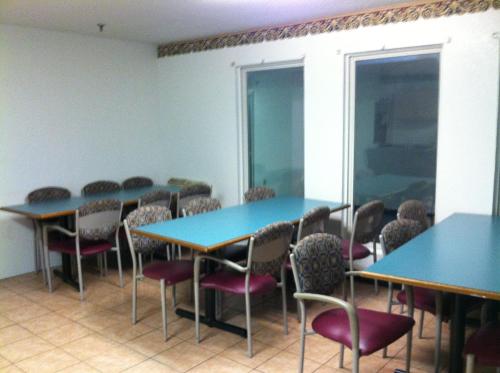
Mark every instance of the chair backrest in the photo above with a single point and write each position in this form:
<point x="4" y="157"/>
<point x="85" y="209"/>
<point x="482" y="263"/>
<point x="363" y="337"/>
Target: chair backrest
<point x="98" y="220"/>
<point x="398" y="232"/>
<point x="269" y="248"/>
<point x="414" y="210"/>
<point x="258" y="193"/>
<point x="200" y="205"/>
<point x="48" y="194"/>
<point x="313" y="221"/>
<point x="368" y="222"/>
<point x="143" y="216"/>
<point x="317" y="264"/>
<point x="101" y="186"/>
<point x="137" y="182"/>
<point x="191" y="192"/>
<point x="157" y="198"/>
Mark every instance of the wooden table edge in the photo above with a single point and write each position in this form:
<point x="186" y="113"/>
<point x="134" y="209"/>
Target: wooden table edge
<point x="432" y="285"/>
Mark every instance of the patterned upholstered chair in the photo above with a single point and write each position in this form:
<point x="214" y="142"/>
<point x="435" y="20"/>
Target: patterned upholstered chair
<point x="414" y="210"/>
<point x="44" y="195"/>
<point x="483" y="346"/>
<point x="258" y="194"/>
<point x="137" y="182"/>
<point x="168" y="273"/>
<point x="101" y="186"/>
<point x="97" y="225"/>
<point x="267" y="251"/>
<point x="200" y="205"/>
<point x="191" y="192"/>
<point x="157" y="198"/>
<point x="318" y="267"/>
<point x="366" y="227"/>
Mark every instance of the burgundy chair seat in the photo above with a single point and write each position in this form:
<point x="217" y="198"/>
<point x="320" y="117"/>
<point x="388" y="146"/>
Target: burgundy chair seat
<point x="86" y="247"/>
<point x="172" y="272"/>
<point x="485" y="345"/>
<point x="359" y="251"/>
<point x="376" y="329"/>
<point x="235" y="282"/>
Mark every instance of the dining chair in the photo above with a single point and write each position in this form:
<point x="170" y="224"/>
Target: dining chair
<point x="157" y="198"/>
<point x="101" y="186"/>
<point x="169" y="273"/>
<point x="366" y="227"/>
<point x="318" y="268"/>
<point x="267" y="251"/>
<point x="97" y="225"/>
<point x="45" y="194"/>
<point x="200" y="205"/>
<point x="137" y="182"/>
<point x="483" y="347"/>
<point x="191" y="192"/>
<point x="414" y="210"/>
<point x="258" y="193"/>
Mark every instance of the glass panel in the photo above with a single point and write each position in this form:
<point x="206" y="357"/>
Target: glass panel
<point x="396" y="130"/>
<point x="275" y="117"/>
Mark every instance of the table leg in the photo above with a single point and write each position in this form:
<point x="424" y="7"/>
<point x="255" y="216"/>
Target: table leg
<point x="66" y="275"/>
<point x="457" y="335"/>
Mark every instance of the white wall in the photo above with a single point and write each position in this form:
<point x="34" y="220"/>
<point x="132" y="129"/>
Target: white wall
<point x="73" y="109"/>
<point x="199" y="96"/>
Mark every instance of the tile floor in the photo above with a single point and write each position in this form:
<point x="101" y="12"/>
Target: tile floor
<point x="42" y="332"/>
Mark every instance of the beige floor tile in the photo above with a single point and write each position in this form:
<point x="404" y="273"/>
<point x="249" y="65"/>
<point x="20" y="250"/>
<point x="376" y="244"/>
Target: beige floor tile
<point x="79" y="368"/>
<point x="10" y="369"/>
<point x="58" y="302"/>
<point x="274" y="336"/>
<point x="286" y="362"/>
<point x="26" y="312"/>
<point x="46" y="322"/>
<point x="5" y="293"/>
<point x="217" y="340"/>
<point x="122" y="333"/>
<point x="220" y="365"/>
<point x="151" y="366"/>
<point x="13" y="302"/>
<point x="24" y="349"/>
<point x="152" y="343"/>
<point x="184" y="356"/>
<point x="4" y="321"/>
<point x="65" y="334"/>
<point x="80" y="310"/>
<point x="102" y="320"/>
<point x="13" y="333"/>
<point x="4" y="362"/>
<point x="50" y="361"/>
<point x="86" y="347"/>
<point x="261" y="351"/>
<point x="317" y="348"/>
<point x="115" y="359"/>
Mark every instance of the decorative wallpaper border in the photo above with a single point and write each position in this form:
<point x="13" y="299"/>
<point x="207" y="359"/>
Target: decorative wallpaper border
<point x="401" y="13"/>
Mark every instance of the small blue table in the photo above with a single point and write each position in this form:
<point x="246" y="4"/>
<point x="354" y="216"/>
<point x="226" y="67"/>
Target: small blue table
<point x="214" y="230"/>
<point x="460" y="255"/>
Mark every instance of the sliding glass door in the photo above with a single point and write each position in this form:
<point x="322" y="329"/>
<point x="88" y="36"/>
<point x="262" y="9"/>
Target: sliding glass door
<point x="274" y="133"/>
<point x="395" y="129"/>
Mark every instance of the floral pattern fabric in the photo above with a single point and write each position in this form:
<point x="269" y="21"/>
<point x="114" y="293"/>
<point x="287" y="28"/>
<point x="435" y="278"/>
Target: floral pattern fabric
<point x="314" y="220"/>
<point x="414" y="210"/>
<point x="201" y="205"/>
<point x="137" y="182"/>
<point x="102" y="186"/>
<point x="163" y="196"/>
<point x="258" y="194"/>
<point x="105" y="231"/>
<point x="200" y="189"/>
<point x="143" y="216"/>
<point x="398" y="232"/>
<point x="369" y="221"/>
<point x="48" y="194"/>
<point x="320" y="267"/>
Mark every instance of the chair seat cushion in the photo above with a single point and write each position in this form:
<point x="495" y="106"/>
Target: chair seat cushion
<point x="359" y="251"/>
<point x="172" y="272"/>
<point x="485" y="345"/>
<point x="235" y="282"/>
<point x="86" y="247"/>
<point x="376" y="329"/>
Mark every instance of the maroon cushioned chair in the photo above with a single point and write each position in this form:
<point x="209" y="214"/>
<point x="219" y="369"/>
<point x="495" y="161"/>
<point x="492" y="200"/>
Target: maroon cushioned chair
<point x="168" y="273"/>
<point x="484" y="347"/>
<point x="318" y="267"/>
<point x="366" y="227"/>
<point x="267" y="251"/>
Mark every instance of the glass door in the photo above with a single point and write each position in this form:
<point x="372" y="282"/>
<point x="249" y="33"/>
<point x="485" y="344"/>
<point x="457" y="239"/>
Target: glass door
<point x="275" y="129"/>
<point x="395" y="130"/>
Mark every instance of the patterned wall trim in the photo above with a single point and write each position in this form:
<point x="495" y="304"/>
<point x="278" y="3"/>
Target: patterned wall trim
<point x="401" y="13"/>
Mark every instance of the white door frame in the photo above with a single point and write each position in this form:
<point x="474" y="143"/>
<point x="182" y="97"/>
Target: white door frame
<point x="242" y="104"/>
<point x="350" y="109"/>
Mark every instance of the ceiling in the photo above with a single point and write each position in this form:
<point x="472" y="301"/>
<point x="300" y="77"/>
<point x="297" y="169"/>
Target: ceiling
<point x="163" y="21"/>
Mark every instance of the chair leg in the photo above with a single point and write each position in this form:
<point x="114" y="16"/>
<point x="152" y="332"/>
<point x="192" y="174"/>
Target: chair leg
<point x="409" y="297"/>
<point x="163" y="308"/>
<point x="421" y="324"/>
<point x="80" y="276"/>
<point x="283" y="295"/>
<point x="469" y="363"/>
<point x="105" y="261"/>
<point x="352" y="288"/>
<point x="119" y="262"/>
<point x="196" y="291"/>
<point x="341" y="356"/>
<point x="301" y="310"/>
<point x="249" y="326"/>
<point x="375" y="261"/>
<point x="174" y="297"/>
<point x="439" y="319"/>
<point x="134" y="298"/>
<point x="389" y="310"/>
<point x="47" y="260"/>
<point x="140" y="263"/>
<point x="99" y="264"/>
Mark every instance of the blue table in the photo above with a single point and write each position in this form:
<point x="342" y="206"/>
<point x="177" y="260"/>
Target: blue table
<point x="460" y="255"/>
<point x="40" y="211"/>
<point x="214" y="230"/>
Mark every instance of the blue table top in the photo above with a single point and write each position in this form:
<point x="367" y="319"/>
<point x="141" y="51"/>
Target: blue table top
<point x="49" y="209"/>
<point x="461" y="254"/>
<point x="213" y="230"/>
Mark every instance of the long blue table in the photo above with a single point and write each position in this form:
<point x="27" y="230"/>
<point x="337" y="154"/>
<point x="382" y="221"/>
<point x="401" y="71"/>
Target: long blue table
<point x="214" y="230"/>
<point x="460" y="255"/>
